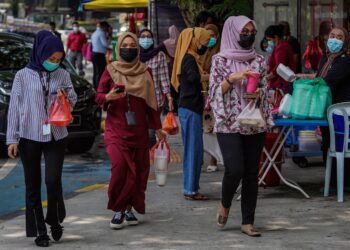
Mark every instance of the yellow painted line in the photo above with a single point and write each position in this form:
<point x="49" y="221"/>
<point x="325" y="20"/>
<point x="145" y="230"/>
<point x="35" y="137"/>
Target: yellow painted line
<point x="90" y="188"/>
<point x="43" y="204"/>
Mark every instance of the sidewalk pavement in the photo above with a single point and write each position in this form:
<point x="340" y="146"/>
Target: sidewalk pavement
<point x="286" y="219"/>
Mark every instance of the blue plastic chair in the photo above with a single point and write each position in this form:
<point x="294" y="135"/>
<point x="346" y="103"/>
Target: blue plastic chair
<point x="339" y="145"/>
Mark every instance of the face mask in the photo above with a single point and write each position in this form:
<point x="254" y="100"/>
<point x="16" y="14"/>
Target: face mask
<point x="49" y="66"/>
<point x="270" y="46"/>
<point x="334" y="45"/>
<point x="146" y="42"/>
<point x="128" y="54"/>
<point x="202" y="50"/>
<point x="212" y="42"/>
<point x="75" y="29"/>
<point x="246" y="41"/>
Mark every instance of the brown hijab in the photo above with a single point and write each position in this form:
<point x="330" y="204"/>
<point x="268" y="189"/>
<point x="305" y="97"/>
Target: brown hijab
<point x="135" y="75"/>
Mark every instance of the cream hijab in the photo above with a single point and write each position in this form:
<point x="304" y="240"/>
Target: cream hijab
<point x="135" y="75"/>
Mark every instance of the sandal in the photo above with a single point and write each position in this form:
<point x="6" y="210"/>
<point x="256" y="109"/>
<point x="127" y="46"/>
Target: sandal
<point x="196" y="197"/>
<point x="221" y="219"/>
<point x="249" y="230"/>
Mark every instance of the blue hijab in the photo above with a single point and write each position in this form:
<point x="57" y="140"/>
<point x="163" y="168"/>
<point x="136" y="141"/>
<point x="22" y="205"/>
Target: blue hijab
<point x="45" y="44"/>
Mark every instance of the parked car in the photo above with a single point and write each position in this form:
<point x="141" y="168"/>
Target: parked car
<point x="14" y="54"/>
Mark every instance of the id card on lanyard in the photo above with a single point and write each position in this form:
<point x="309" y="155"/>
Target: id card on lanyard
<point x="46" y="127"/>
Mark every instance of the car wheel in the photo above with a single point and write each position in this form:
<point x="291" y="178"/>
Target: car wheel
<point x="80" y="145"/>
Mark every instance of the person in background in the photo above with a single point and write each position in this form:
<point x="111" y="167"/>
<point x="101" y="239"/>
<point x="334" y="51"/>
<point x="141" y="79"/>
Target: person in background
<point x="187" y="78"/>
<point x="210" y="141"/>
<point x="155" y="59"/>
<point x="281" y="52"/>
<point x="33" y="92"/>
<point x="241" y="146"/>
<point x="294" y="43"/>
<point x="130" y="114"/>
<point x="169" y="47"/>
<point x="100" y="44"/>
<point x="75" y="43"/>
<point x="204" y="18"/>
<point x="53" y="29"/>
<point x="323" y="34"/>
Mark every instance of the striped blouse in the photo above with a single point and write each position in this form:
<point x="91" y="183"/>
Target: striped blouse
<point x="27" y="113"/>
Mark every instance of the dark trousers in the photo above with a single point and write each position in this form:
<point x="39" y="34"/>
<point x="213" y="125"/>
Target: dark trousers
<point x="241" y="154"/>
<point x="99" y="64"/>
<point x="30" y="153"/>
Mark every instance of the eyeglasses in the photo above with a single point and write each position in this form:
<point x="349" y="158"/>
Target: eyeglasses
<point x="247" y="32"/>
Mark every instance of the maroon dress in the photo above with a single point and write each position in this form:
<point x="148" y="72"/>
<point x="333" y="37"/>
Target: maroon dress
<point x="127" y="147"/>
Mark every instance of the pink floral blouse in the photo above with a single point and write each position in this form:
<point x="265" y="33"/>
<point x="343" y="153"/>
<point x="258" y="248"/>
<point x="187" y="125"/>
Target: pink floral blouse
<point x="226" y="107"/>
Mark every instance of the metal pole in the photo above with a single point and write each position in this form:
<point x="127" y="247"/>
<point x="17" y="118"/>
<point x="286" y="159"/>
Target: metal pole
<point x="157" y="26"/>
<point x="299" y="12"/>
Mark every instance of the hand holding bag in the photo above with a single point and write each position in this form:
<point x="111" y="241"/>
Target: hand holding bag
<point x="60" y="115"/>
<point x="170" y="124"/>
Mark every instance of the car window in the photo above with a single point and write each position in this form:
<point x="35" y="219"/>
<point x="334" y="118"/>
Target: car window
<point x="14" y="54"/>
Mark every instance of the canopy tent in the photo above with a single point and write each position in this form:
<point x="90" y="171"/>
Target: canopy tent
<point x="115" y="4"/>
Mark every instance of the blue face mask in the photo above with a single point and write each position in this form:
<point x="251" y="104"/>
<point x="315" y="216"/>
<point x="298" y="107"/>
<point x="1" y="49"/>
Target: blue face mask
<point x="334" y="45"/>
<point x="212" y="42"/>
<point x="270" y="46"/>
<point x="49" y="66"/>
<point x="146" y="42"/>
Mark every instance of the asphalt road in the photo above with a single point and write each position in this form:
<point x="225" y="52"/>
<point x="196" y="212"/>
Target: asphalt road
<point x="80" y="172"/>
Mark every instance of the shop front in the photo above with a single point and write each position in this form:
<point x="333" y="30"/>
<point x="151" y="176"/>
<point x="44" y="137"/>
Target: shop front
<point x="306" y="17"/>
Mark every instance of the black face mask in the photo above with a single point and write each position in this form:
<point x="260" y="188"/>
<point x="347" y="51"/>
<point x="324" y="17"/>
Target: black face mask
<point x="202" y="50"/>
<point x="246" y="41"/>
<point x="128" y="54"/>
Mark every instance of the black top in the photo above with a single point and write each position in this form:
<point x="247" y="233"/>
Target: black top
<point x="296" y="50"/>
<point x="191" y="96"/>
<point x="338" y="78"/>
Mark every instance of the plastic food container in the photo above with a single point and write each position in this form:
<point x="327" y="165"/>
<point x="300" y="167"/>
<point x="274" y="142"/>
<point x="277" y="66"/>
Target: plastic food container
<point x="286" y="73"/>
<point x="161" y="177"/>
<point x="286" y="105"/>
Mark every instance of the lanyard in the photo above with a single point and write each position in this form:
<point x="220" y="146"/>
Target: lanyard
<point x="45" y="88"/>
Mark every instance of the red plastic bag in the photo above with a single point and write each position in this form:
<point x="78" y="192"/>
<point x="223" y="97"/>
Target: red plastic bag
<point x="313" y="54"/>
<point x="170" y="124"/>
<point x="160" y="144"/>
<point x="60" y="115"/>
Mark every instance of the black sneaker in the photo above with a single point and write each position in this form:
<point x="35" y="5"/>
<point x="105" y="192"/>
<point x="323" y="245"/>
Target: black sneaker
<point x="42" y="240"/>
<point x="117" y="221"/>
<point x="56" y="232"/>
<point x="130" y="218"/>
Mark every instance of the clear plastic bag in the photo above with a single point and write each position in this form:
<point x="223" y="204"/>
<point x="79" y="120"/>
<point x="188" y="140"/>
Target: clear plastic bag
<point x="251" y="116"/>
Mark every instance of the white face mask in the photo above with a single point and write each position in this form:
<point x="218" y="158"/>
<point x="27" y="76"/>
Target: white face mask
<point x="75" y="29"/>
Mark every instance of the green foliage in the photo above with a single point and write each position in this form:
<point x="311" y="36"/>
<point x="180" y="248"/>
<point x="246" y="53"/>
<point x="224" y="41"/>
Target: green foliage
<point x="221" y="8"/>
<point x="232" y="8"/>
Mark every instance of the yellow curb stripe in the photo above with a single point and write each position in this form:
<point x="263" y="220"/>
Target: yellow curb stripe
<point x="90" y="188"/>
<point x="43" y="204"/>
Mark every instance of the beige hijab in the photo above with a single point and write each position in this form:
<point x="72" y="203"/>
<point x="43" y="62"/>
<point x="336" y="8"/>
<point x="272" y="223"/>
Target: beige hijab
<point x="135" y="75"/>
<point x="188" y="42"/>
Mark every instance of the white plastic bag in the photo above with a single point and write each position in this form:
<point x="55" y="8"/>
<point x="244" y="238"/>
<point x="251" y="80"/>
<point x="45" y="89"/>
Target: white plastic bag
<point x="251" y="116"/>
<point x="286" y="105"/>
<point x="161" y="154"/>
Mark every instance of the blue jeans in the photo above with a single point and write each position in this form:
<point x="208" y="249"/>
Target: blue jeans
<point x="192" y="138"/>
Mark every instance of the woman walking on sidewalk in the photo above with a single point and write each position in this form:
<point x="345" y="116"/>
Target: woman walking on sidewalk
<point x="28" y="130"/>
<point x="240" y="146"/>
<point x="187" y="78"/>
<point x="130" y="114"/>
